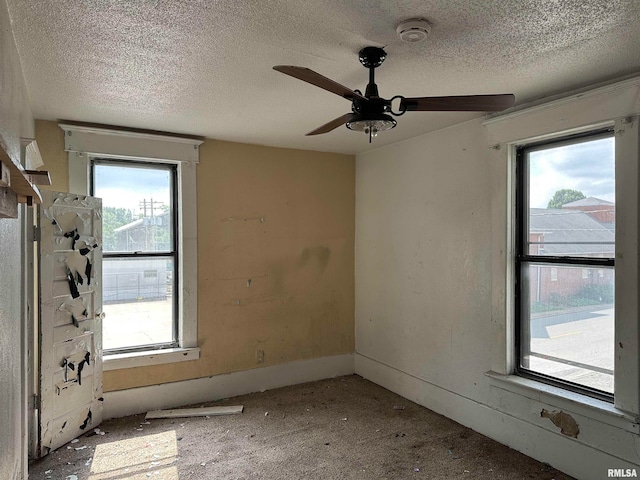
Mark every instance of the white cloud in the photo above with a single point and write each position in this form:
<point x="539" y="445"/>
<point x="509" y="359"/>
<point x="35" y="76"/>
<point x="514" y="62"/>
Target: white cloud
<point x="586" y="166"/>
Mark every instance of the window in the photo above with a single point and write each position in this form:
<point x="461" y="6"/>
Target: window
<point x="139" y="293"/>
<point x="153" y="253"/>
<point x="565" y="231"/>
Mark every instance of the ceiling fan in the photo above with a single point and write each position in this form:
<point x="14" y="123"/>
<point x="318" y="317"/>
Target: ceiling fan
<point x="370" y="112"/>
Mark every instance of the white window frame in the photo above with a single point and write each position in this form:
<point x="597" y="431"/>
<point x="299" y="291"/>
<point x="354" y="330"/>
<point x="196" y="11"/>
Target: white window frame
<point x="84" y="143"/>
<point x="616" y="105"/>
<point x="584" y="262"/>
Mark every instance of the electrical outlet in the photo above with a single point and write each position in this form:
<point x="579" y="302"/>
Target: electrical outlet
<point x="260" y="356"/>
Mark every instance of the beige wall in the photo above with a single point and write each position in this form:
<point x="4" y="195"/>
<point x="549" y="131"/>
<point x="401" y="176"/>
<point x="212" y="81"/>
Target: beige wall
<point x="275" y="257"/>
<point x="50" y="139"/>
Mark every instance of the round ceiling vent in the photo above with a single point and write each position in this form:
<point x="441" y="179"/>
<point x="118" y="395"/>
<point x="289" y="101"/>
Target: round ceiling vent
<point x="413" y="30"/>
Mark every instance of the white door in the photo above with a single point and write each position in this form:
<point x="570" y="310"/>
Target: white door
<point x="70" y="377"/>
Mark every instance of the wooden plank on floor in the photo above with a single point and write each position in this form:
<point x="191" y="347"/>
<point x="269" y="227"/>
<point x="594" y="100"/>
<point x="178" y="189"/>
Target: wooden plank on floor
<point x="195" y="412"/>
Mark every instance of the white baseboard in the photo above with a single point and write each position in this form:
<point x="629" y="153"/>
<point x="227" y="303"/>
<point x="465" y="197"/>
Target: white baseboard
<point x="170" y="395"/>
<point x="565" y="454"/>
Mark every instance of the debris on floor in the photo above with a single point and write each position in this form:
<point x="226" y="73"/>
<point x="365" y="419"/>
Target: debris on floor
<point x="375" y="441"/>
<point x="195" y="412"/>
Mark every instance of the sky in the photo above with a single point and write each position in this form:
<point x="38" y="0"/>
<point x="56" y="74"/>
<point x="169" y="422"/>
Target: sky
<point x="586" y="166"/>
<point x="127" y="186"/>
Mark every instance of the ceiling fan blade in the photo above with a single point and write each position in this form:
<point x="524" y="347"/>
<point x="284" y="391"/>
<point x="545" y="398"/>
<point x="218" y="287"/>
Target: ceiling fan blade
<point x="459" y="103"/>
<point x="332" y="125"/>
<point x="309" y="76"/>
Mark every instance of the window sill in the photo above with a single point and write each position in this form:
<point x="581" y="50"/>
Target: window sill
<point x="152" y="357"/>
<point x="600" y="410"/>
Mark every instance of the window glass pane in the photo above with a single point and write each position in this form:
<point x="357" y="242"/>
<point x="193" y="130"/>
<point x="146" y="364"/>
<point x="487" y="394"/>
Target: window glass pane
<point x="137" y="211"/>
<point x="138" y="301"/>
<point x="567" y="326"/>
<point x="571" y="199"/>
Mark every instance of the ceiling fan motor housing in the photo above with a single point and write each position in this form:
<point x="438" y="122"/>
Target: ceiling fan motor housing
<point x="413" y="30"/>
<point x="372" y="57"/>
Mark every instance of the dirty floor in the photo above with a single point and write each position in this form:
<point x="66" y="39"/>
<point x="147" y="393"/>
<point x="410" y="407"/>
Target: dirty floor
<point x="341" y="428"/>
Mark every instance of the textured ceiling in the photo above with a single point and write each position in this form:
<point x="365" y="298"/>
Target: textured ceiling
<point x="204" y="67"/>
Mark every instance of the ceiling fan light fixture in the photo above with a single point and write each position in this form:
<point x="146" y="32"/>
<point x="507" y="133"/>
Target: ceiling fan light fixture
<point x="369" y="110"/>
<point x="371" y="125"/>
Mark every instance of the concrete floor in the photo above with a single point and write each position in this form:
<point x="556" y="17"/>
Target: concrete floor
<point x="137" y="323"/>
<point x="340" y="428"/>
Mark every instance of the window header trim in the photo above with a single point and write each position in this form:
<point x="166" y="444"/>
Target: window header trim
<point x="102" y="141"/>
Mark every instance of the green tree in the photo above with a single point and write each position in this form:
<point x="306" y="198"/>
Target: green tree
<point x="564" y="196"/>
<point x="113" y="218"/>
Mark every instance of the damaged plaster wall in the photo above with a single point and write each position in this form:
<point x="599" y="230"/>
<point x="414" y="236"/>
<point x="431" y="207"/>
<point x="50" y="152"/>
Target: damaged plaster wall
<point x="276" y="234"/>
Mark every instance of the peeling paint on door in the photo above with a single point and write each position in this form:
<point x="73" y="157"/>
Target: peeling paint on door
<point x="71" y="322"/>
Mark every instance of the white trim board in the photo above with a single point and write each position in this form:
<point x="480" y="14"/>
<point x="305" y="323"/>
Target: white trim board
<point x="566" y="454"/>
<point x="169" y="395"/>
<point x="122" y="143"/>
<point x="195" y="412"/>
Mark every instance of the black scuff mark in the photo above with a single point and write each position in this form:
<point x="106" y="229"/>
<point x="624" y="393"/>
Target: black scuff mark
<point x="87" y="421"/>
<point x="86" y="360"/>
<point x="74" y="236"/>
<point x="72" y="284"/>
<point x="79" y="279"/>
<point x="66" y="365"/>
<point x="87" y="271"/>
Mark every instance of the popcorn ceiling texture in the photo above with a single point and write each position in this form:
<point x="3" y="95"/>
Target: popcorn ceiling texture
<point x="204" y="68"/>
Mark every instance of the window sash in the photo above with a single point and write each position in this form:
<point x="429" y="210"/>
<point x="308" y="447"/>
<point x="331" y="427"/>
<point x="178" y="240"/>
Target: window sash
<point x="523" y="259"/>
<point x="172" y="253"/>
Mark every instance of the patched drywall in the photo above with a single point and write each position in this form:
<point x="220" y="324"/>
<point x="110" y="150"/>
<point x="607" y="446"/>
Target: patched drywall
<point x="275" y="258"/>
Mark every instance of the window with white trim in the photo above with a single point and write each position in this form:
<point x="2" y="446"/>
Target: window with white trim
<point x="565" y="231"/>
<point x="139" y="253"/>
<point x="163" y="255"/>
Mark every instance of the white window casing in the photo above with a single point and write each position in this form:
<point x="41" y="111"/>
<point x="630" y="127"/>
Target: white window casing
<point x="616" y="105"/>
<point x="82" y="143"/>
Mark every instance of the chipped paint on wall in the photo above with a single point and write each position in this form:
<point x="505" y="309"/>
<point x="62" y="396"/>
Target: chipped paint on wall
<point x="568" y="426"/>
